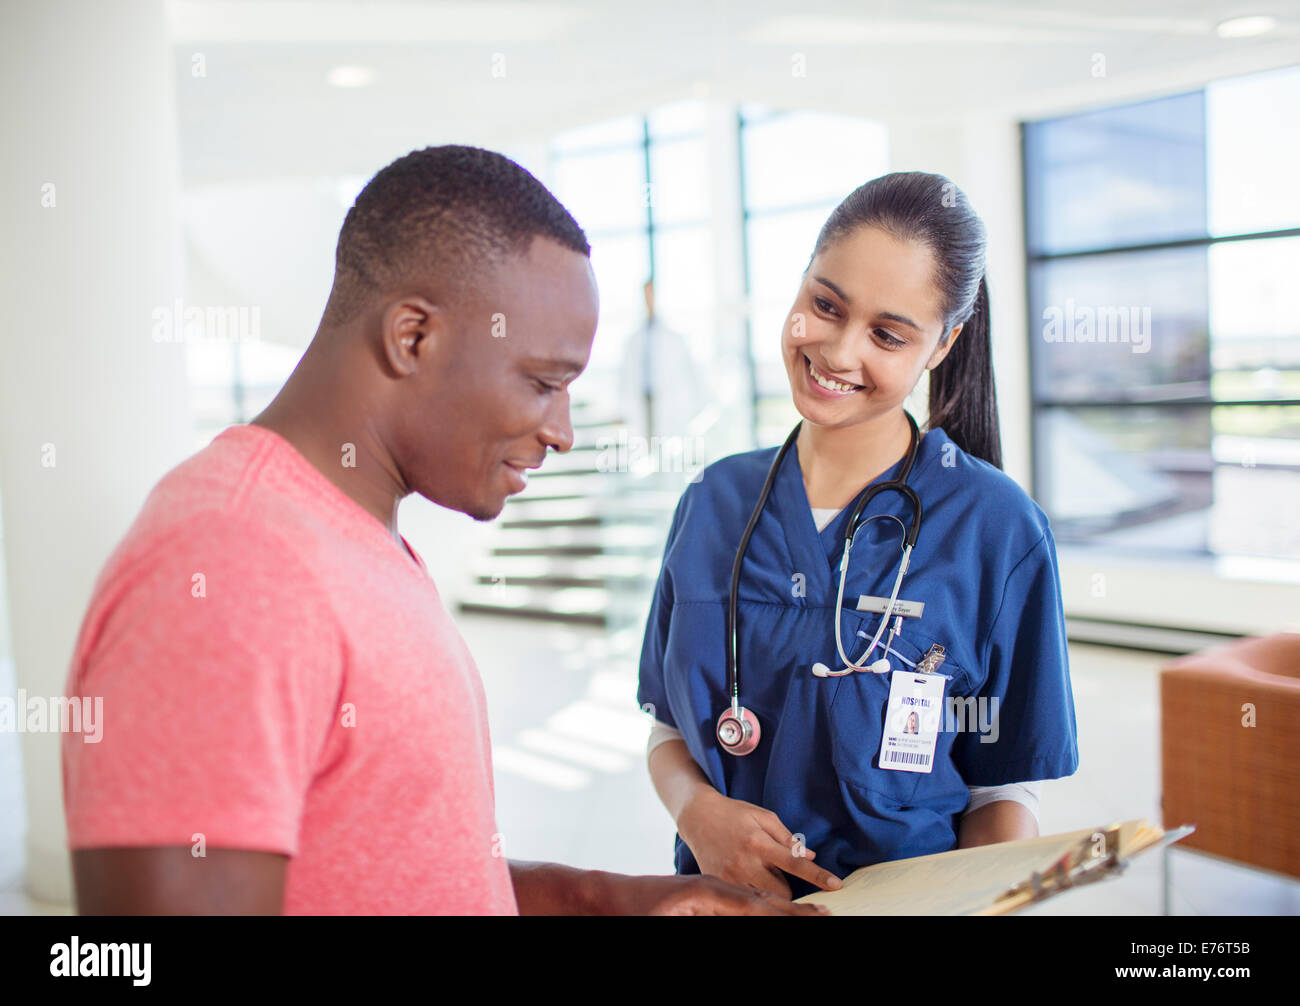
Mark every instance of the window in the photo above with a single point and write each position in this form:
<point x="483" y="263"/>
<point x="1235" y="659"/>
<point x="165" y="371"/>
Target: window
<point x="796" y="168"/>
<point x="1163" y="243"/>
<point x="639" y="188"/>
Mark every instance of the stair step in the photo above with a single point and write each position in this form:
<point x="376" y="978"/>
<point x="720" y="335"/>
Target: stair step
<point x="588" y="604"/>
<point x="582" y="520"/>
<point x="605" y="564"/>
<point x="583" y="506"/>
<point x="539" y="614"/>
<point x="617" y="537"/>
<point x="573" y="550"/>
<point x="545" y="580"/>
<point x="526" y="497"/>
<point x="600" y="566"/>
<point x="629" y="504"/>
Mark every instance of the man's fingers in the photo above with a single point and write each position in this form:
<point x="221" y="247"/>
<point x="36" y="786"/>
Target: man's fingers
<point x="760" y="878"/>
<point x="715" y="896"/>
<point x="779" y="887"/>
<point x="770" y="904"/>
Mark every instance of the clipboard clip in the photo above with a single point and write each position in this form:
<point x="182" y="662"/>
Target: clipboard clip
<point x="1095" y="856"/>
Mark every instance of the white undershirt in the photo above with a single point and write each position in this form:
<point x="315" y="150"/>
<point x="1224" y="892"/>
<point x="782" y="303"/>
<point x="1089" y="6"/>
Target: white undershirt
<point x="823" y="516"/>
<point x="1023" y="793"/>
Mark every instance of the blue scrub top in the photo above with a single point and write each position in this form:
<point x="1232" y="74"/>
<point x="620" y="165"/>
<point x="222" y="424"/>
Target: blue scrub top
<point x="985" y="567"/>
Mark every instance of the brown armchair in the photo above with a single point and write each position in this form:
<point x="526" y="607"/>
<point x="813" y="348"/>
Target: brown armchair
<point x="1238" y="783"/>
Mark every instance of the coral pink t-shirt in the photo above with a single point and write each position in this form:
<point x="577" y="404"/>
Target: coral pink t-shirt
<point x="278" y="674"/>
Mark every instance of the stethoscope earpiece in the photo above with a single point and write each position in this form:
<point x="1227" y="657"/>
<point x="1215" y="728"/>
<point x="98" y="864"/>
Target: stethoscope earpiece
<point x="820" y="670"/>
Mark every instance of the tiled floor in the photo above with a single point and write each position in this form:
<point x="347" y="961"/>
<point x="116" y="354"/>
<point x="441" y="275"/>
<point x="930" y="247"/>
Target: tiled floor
<point x="572" y="787"/>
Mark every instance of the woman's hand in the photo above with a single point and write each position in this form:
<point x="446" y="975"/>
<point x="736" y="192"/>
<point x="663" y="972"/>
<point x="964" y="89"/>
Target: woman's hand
<point x="745" y="844"/>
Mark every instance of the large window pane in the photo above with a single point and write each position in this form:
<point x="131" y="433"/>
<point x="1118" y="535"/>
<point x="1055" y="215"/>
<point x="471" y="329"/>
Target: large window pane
<point x="779" y="247"/>
<point x="604" y="191"/>
<point x="684" y="288"/>
<point x="1126" y="326"/>
<point x="679" y="188"/>
<point x="611" y="133"/>
<point x="1120" y="176"/>
<point x="1254" y="149"/>
<point x="1196" y="474"/>
<point x="809" y="157"/>
<point x="622" y="265"/>
<point x="1257" y="481"/>
<point x="1139" y="477"/>
<point x="1255" y="318"/>
<point x="263" y="369"/>
<point x="1194" y="478"/>
<point x="676" y="119"/>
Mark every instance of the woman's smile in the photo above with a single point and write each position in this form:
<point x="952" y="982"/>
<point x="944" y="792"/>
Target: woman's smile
<point x="825" y="386"/>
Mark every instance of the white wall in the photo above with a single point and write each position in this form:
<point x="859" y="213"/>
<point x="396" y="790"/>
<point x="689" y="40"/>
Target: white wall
<point x="89" y="103"/>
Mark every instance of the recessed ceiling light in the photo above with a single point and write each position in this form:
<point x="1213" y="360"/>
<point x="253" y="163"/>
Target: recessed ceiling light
<point x="1246" y="27"/>
<point x="351" y="76"/>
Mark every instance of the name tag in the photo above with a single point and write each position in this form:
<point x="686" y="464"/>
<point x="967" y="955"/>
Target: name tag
<point x="908" y="609"/>
<point x="912" y="721"/>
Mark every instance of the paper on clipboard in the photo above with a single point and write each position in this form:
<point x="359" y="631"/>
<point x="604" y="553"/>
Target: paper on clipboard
<point x="979" y="880"/>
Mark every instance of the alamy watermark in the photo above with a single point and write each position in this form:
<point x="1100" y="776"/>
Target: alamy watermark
<point x="968" y="714"/>
<point x="960" y="714"/>
<point x="1104" y="323"/>
<point x="178" y="322"/>
<point x="624" y="452"/>
<point x="36" y="714"/>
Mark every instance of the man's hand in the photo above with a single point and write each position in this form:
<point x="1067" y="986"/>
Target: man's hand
<point x="553" y="889"/>
<point x="696" y="895"/>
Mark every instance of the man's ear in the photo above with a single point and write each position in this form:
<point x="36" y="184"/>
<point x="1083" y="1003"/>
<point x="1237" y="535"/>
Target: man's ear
<point x="408" y="329"/>
<point x="937" y="357"/>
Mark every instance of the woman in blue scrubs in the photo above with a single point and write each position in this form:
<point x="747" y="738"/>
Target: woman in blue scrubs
<point x="895" y="289"/>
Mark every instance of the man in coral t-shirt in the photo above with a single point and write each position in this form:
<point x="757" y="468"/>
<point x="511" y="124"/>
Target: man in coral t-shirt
<point x="291" y="721"/>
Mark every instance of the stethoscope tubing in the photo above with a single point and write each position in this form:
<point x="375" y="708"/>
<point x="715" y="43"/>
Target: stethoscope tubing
<point x="911" y="533"/>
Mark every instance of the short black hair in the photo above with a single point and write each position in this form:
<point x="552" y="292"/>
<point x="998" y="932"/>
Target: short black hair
<point x="444" y="210"/>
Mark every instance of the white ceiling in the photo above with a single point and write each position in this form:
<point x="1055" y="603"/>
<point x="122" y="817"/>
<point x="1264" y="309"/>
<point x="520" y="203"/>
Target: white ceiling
<point x="264" y="106"/>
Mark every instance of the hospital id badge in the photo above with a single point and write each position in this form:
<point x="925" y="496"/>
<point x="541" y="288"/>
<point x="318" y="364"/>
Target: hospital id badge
<point x="912" y="721"/>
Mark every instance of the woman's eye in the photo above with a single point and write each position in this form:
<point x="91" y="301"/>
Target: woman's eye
<point x="823" y="304"/>
<point x="890" y="339"/>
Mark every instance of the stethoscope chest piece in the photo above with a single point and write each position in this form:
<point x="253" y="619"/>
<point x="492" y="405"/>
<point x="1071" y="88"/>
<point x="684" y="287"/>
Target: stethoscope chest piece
<point x="738" y="730"/>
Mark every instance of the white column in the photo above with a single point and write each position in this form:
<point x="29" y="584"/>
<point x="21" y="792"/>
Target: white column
<point x="94" y="411"/>
<point x="730" y="350"/>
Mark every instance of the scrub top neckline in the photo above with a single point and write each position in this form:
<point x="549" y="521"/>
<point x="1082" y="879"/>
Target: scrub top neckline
<point x="922" y="460"/>
<point x="796" y="529"/>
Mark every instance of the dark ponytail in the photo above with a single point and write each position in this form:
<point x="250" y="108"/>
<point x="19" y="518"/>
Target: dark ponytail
<point x="963" y="399"/>
<point x="918" y="206"/>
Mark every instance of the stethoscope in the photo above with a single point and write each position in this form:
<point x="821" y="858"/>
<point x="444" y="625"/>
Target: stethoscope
<point x="738" y="730"/>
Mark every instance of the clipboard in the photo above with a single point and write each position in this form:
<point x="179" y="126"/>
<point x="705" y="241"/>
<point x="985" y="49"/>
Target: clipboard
<point x="1083" y="863"/>
<point x="995" y="879"/>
